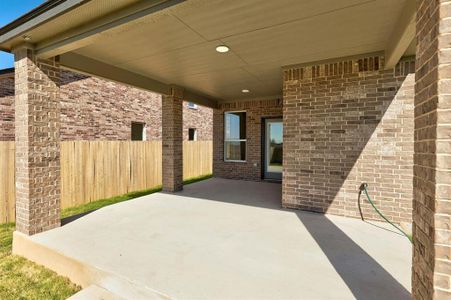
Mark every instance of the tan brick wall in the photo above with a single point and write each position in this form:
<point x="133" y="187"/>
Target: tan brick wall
<point x="172" y="140"/>
<point x="432" y="170"/>
<point x="97" y="109"/>
<point x="256" y="111"/>
<point x="346" y="123"/>
<point x="37" y="115"/>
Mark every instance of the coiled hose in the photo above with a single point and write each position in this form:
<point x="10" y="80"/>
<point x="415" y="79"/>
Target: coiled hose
<point x="364" y="188"/>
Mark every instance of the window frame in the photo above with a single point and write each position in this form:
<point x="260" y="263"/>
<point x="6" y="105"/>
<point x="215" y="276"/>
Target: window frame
<point x="234" y="140"/>
<point x="143" y="132"/>
<point x="194" y="134"/>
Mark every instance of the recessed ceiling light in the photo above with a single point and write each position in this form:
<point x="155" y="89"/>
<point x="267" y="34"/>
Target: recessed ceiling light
<point x="27" y="37"/>
<point x="222" y="49"/>
<point x="245" y="91"/>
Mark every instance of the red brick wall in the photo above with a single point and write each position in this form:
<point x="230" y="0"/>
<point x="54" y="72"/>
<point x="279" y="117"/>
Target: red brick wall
<point x="93" y="109"/>
<point x="96" y="109"/>
<point x="255" y="112"/>
<point x="200" y="118"/>
<point x="7" y="107"/>
<point x="346" y="123"/>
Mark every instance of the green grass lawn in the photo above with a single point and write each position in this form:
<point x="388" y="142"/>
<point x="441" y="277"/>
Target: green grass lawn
<point x="23" y="279"/>
<point x="84" y="208"/>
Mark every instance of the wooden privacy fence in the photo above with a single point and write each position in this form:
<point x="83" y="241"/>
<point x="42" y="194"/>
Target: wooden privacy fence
<point x="93" y="170"/>
<point x="7" y="182"/>
<point x="197" y="158"/>
<point x="103" y="169"/>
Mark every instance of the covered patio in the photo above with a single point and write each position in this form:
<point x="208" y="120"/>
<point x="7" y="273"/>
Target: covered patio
<point x="225" y="239"/>
<point x="335" y="78"/>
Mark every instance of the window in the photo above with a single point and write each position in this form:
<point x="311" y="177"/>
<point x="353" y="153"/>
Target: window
<point x="138" y="131"/>
<point x="192" y="105"/>
<point x="192" y="134"/>
<point x="235" y="136"/>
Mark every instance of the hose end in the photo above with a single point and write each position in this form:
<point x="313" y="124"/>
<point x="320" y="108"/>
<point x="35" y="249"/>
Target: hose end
<point x="363" y="186"/>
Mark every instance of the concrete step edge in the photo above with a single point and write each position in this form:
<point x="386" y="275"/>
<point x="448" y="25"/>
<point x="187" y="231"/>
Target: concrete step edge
<point x="80" y="273"/>
<point x="95" y="292"/>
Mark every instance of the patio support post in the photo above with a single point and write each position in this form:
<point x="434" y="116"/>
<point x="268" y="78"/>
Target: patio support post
<point x="172" y="123"/>
<point x="432" y="159"/>
<point x="37" y="124"/>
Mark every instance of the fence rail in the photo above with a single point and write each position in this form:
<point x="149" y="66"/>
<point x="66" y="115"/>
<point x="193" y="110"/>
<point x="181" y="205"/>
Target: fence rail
<point x="92" y="170"/>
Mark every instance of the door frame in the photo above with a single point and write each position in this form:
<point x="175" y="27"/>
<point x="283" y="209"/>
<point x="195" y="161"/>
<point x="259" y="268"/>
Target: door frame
<point x="263" y="148"/>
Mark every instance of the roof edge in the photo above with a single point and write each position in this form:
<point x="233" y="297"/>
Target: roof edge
<point x="7" y="71"/>
<point x="37" y="16"/>
<point x="30" y="15"/>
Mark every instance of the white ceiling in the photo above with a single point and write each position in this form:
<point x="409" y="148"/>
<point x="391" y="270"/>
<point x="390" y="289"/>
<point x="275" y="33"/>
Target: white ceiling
<point x="177" y="45"/>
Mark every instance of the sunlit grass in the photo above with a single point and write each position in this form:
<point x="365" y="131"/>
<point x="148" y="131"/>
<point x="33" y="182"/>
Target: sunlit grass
<point x="23" y="279"/>
<point x="84" y="208"/>
<point x="91" y="206"/>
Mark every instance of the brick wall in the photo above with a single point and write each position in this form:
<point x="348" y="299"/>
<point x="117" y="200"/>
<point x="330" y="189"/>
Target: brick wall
<point x="37" y="113"/>
<point x="96" y="109"/>
<point x="432" y="170"/>
<point x="7" y="107"/>
<point x="200" y="118"/>
<point x="346" y="123"/>
<point x="172" y="145"/>
<point x="255" y="112"/>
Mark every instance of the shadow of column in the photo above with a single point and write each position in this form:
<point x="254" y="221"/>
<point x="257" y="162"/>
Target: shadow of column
<point x="363" y="275"/>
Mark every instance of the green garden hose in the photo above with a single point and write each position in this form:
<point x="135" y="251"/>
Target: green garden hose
<point x="363" y="187"/>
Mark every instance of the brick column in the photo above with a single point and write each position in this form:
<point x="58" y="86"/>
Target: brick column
<point x="37" y="122"/>
<point x="218" y="142"/>
<point x="172" y="123"/>
<point x="432" y="161"/>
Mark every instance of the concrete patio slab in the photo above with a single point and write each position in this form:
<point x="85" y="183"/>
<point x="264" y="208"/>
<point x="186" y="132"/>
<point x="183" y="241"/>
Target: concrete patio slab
<point x="226" y="239"/>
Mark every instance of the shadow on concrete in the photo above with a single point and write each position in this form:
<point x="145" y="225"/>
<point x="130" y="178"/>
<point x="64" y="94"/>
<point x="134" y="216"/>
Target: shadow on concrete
<point x="363" y="275"/>
<point x="70" y="219"/>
